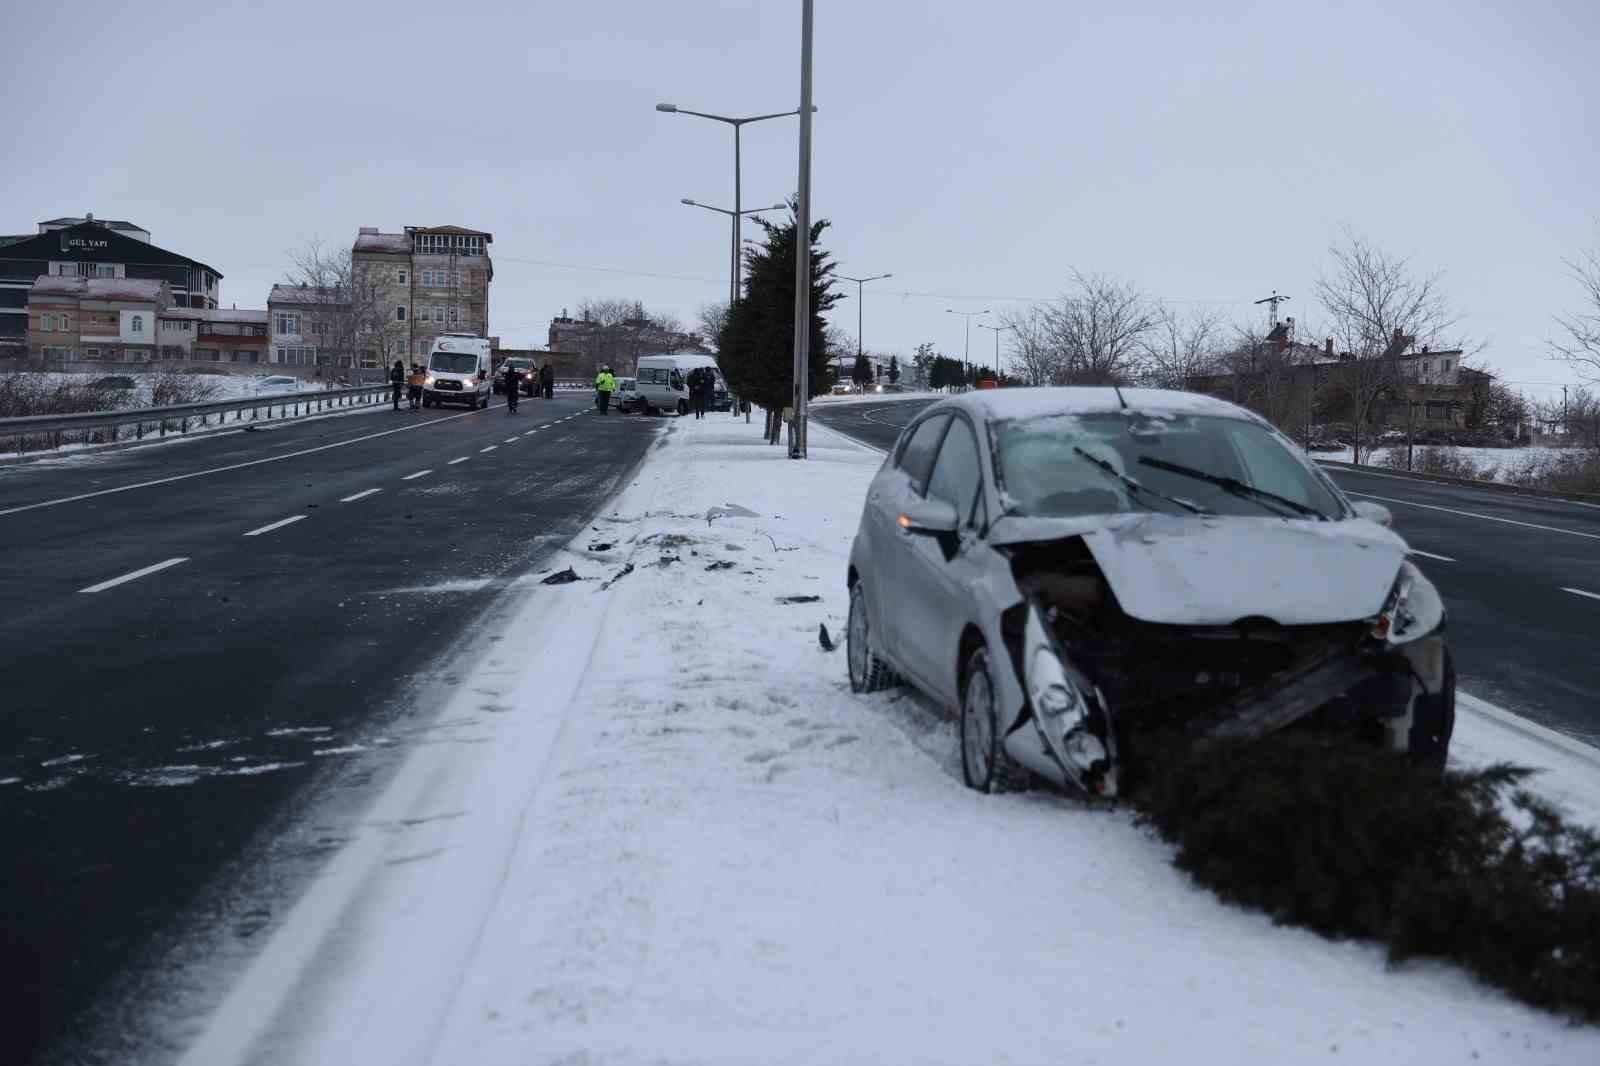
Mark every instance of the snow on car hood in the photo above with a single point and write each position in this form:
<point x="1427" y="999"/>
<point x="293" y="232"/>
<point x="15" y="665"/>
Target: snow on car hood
<point x="1180" y="570"/>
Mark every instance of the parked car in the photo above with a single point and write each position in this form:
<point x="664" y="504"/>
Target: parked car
<point x="278" y="383"/>
<point x="526" y="372"/>
<point x="626" y="397"/>
<point x="1071" y="567"/>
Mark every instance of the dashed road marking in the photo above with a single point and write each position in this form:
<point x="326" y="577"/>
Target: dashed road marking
<point x="463" y="459"/>
<point x="1580" y="592"/>
<point x="359" y="495"/>
<point x="114" y="582"/>
<point x="419" y="473"/>
<point x="511" y="440"/>
<point x="279" y="524"/>
<point x="1429" y="555"/>
<point x="490" y="448"/>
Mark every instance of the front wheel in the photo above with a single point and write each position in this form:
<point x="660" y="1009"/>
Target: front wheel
<point x="985" y="766"/>
<point x="868" y="673"/>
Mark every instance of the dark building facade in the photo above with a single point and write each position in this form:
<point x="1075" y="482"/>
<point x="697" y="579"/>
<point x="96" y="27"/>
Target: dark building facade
<point x="91" y="250"/>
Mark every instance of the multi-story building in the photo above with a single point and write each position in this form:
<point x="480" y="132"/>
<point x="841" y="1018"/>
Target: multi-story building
<point x="89" y="249"/>
<point x="420" y="283"/>
<point x="111" y="320"/>
<point x="310" y="330"/>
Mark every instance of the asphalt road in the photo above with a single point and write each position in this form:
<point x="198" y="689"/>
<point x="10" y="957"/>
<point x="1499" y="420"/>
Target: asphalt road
<point x="1520" y="578"/>
<point x="156" y="722"/>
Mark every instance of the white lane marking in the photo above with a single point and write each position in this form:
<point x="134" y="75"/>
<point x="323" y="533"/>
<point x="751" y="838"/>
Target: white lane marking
<point x="114" y="582"/>
<point x="279" y="524"/>
<point x="463" y="459"/>
<point x="511" y="440"/>
<point x="490" y="448"/>
<point x="1532" y="730"/>
<point x="530" y="432"/>
<point x="1580" y="592"/>
<point x="1474" y="514"/>
<point x="419" y="473"/>
<point x="359" y="495"/>
<point x="1429" y="555"/>
<point x="231" y="466"/>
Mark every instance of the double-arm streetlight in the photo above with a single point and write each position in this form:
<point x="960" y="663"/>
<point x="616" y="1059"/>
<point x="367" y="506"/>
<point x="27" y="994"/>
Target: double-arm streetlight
<point x="738" y="124"/>
<point x="997" y="331"/>
<point x="860" y="282"/>
<point x="969" y="316"/>
<point x="735" y="216"/>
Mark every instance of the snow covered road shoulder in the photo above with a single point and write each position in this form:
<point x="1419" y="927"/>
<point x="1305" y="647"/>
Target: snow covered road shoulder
<point x="659" y="828"/>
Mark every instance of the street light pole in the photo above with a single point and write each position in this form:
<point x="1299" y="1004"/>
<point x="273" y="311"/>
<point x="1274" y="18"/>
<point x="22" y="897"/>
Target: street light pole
<point x="860" y="282"/>
<point x="997" y="331"/>
<point x="966" y="362"/>
<point x="735" y="216"/>
<point x="738" y="124"/>
<point x="802" y="255"/>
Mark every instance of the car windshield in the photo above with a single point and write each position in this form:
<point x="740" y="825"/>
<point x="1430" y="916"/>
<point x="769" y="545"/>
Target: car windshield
<point x="1111" y="462"/>
<point x="518" y="364"/>
<point x="453" y="362"/>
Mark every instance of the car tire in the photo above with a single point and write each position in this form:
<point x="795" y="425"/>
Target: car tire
<point x="868" y="673"/>
<point x="1432" y="723"/>
<point x="985" y="766"/>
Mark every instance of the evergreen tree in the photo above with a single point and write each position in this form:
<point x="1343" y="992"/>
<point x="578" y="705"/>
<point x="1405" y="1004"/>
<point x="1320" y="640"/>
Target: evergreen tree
<point x="862" y="372"/>
<point x="757" y="342"/>
<point x="894" y="370"/>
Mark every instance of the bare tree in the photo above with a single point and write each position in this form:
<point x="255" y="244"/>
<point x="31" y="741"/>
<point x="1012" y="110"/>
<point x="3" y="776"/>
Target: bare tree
<point x="620" y="331"/>
<point x="710" y="319"/>
<point x="1377" y="308"/>
<point x="1098" y="328"/>
<point x="1032" y="356"/>
<point x="1579" y="343"/>
<point x="1182" y="347"/>
<point x="354" y="315"/>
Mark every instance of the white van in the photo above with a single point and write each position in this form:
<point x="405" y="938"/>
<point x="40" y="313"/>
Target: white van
<point x="458" y="371"/>
<point x="664" y="381"/>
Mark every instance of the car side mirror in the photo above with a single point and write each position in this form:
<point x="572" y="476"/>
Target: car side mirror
<point x="1373" y="511"/>
<point x="930" y="517"/>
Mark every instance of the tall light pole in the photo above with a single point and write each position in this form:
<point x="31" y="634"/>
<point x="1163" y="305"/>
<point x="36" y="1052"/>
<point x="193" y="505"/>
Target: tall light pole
<point x="997" y="331"/>
<point x="736" y="216"/>
<point x="969" y="316"/>
<point x="859" y="283"/>
<point x="738" y="124"/>
<point x="802" y="254"/>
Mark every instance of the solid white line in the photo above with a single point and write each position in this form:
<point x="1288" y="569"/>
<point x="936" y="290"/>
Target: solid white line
<point x="1429" y="555"/>
<point x="232" y="466"/>
<point x="359" y="495"/>
<point x="463" y="459"/>
<point x="419" y="473"/>
<point x="490" y="448"/>
<point x="1580" y="592"/>
<point x="279" y="524"/>
<point x="114" y="582"/>
<point x="1474" y="514"/>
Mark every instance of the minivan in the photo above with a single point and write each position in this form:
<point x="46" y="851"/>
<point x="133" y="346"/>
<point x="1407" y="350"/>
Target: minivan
<point x="664" y="381"/>
<point x="458" y="371"/>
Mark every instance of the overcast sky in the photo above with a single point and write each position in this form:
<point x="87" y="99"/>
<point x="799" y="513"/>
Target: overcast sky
<point x="1208" y="152"/>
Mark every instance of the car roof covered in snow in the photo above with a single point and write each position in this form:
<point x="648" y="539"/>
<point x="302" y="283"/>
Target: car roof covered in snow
<point x="1002" y="404"/>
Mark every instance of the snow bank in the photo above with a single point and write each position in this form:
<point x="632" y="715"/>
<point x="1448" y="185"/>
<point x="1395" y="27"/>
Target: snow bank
<point x="657" y="827"/>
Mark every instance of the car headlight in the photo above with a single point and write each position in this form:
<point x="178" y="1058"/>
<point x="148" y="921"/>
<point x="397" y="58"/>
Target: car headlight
<point x="1412" y="610"/>
<point x="427" y="381"/>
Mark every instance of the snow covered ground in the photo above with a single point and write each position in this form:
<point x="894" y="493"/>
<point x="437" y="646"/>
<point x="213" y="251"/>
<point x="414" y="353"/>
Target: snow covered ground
<point x="1495" y="461"/>
<point x="655" y="826"/>
<point x="227" y="386"/>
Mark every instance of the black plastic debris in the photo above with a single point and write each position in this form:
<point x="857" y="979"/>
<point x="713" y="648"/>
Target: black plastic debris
<point x="823" y="638"/>
<point x="624" y="572"/>
<point x="600" y="546"/>
<point x="562" y="577"/>
<point x="799" y="599"/>
<point x="722" y="564"/>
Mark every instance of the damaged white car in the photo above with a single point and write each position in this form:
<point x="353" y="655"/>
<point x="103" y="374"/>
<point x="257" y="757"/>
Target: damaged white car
<point x="1071" y="567"/>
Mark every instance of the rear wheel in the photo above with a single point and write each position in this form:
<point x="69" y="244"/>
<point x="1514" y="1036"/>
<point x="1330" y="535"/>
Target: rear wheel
<point x="984" y="764"/>
<point x="868" y="673"/>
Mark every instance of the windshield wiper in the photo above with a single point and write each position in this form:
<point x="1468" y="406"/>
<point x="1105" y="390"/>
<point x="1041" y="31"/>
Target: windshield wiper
<point x="1134" y="486"/>
<point x="1234" y="487"/>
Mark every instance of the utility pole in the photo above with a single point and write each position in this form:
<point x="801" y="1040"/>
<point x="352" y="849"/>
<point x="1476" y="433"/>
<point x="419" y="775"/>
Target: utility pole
<point x="802" y="256"/>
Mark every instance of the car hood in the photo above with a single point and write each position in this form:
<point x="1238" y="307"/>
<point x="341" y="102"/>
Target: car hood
<point x="1187" y="570"/>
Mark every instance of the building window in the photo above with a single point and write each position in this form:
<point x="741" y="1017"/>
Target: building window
<point x="286" y="322"/>
<point x="400" y="314"/>
<point x="1445" y="364"/>
<point x="402" y="277"/>
<point x="452" y="314"/>
<point x="427" y="279"/>
<point x="138" y="323"/>
<point x="91" y="353"/>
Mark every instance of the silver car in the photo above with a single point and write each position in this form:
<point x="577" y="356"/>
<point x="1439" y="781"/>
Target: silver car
<point x="1069" y="567"/>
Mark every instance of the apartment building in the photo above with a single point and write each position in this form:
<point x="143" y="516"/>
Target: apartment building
<point x="424" y="281"/>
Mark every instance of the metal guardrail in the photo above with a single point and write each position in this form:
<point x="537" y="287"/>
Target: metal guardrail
<point x="47" y="432"/>
<point x="1463" y="482"/>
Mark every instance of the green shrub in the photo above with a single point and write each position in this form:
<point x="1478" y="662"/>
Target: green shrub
<point x="1327" y="833"/>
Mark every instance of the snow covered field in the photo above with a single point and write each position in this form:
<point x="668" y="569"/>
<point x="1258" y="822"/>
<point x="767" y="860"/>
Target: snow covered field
<point x="657" y="827"/>
<point x="1496" y="461"/>
<point x="226" y="386"/>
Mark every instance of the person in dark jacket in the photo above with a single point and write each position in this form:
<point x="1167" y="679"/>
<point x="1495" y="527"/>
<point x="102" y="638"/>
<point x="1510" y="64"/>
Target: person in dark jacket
<point x="697" y="390"/>
<point x="547" y="381"/>
<point x="397" y="378"/>
<point x="513" y="389"/>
